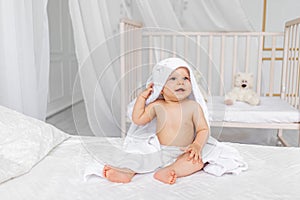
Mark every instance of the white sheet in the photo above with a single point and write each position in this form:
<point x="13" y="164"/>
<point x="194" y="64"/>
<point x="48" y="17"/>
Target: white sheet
<point x="274" y="173"/>
<point x="270" y="110"/>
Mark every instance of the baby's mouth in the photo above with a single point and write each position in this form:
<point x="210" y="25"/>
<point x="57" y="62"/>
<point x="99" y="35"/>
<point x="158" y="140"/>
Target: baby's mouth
<point x="180" y="90"/>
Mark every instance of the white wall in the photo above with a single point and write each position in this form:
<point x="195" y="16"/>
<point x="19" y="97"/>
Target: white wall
<point x="278" y="12"/>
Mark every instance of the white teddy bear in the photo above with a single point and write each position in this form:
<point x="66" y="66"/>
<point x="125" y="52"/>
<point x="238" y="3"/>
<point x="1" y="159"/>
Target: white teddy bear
<point x="242" y="91"/>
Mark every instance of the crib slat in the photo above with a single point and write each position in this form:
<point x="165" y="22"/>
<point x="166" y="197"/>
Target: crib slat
<point x="272" y="66"/>
<point x="235" y="46"/>
<point x="297" y="99"/>
<point x="131" y="42"/>
<point x="294" y="70"/>
<point x="290" y="66"/>
<point x="297" y="104"/>
<point x="285" y="63"/>
<point x="150" y="53"/>
<point x="210" y="64"/>
<point x="186" y="46"/>
<point x="259" y="65"/>
<point x="295" y="60"/>
<point x="174" y="45"/>
<point x="247" y="53"/>
<point x="134" y="63"/>
<point x="222" y="75"/>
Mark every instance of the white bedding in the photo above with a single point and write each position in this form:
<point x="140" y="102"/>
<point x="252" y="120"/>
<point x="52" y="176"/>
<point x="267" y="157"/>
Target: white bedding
<point x="270" y="110"/>
<point x="24" y="141"/>
<point x="274" y="173"/>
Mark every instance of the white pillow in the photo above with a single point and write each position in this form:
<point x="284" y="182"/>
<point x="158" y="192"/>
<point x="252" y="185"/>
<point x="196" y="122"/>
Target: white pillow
<point x="24" y="141"/>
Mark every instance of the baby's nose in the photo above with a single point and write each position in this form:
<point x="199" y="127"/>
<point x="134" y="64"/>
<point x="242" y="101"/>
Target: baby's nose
<point x="180" y="82"/>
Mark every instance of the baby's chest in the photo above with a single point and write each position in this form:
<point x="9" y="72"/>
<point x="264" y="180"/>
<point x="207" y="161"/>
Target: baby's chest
<point x="175" y="117"/>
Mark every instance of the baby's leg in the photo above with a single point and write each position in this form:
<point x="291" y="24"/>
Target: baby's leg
<point x="117" y="175"/>
<point x="180" y="168"/>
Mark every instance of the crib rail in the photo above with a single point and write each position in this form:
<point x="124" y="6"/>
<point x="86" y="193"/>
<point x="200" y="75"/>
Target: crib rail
<point x="291" y="66"/>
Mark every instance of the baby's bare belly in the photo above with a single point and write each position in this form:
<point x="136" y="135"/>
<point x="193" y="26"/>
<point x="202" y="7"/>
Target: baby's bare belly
<point x="175" y="139"/>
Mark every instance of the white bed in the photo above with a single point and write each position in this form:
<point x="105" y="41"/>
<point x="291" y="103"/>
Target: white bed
<point x="274" y="173"/>
<point x="52" y="164"/>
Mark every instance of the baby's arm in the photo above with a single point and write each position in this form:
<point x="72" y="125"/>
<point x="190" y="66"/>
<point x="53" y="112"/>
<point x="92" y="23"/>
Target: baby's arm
<point x="202" y="133"/>
<point x="143" y="114"/>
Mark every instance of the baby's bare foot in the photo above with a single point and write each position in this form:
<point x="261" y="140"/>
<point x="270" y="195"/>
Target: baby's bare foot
<point x="117" y="175"/>
<point x="166" y="175"/>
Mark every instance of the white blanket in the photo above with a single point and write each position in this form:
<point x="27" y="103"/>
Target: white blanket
<point x="141" y="144"/>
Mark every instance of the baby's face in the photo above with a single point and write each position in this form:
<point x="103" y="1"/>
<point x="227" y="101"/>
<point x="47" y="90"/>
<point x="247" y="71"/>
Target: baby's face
<point x="178" y="86"/>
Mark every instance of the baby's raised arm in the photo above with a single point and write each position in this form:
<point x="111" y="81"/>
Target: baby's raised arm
<point x="143" y="114"/>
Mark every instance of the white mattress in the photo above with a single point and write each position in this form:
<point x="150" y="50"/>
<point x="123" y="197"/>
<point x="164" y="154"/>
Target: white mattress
<point x="274" y="173"/>
<point x="270" y="110"/>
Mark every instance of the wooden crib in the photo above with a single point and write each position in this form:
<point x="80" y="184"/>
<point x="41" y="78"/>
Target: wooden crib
<point x="215" y="58"/>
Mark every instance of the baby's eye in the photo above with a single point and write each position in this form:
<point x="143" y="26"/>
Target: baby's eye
<point x="186" y="78"/>
<point x="172" y="79"/>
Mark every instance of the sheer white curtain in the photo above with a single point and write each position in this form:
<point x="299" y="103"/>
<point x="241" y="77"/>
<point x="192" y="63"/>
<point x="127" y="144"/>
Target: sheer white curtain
<point x="194" y="15"/>
<point x="216" y="15"/>
<point x="24" y="56"/>
<point x="97" y="48"/>
<point x="95" y="53"/>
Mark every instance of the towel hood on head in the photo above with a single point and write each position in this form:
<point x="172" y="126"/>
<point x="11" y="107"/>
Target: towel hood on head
<point x="160" y="73"/>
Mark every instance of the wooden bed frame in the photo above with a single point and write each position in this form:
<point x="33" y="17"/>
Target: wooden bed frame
<point x="271" y="57"/>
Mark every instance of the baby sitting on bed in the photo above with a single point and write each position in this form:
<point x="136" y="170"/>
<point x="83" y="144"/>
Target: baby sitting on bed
<point x="170" y="131"/>
<point x="180" y="122"/>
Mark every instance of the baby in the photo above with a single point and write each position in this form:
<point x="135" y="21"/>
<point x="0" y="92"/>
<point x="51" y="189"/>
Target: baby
<point x="180" y="123"/>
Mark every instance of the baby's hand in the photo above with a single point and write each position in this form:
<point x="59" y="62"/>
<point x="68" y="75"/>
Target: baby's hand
<point x="146" y="93"/>
<point x="195" y="152"/>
